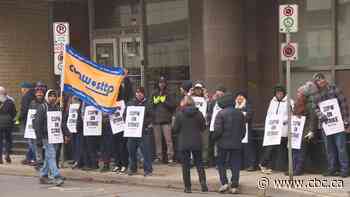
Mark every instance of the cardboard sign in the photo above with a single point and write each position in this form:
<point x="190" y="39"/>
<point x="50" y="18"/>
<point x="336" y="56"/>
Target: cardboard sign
<point x="134" y="121"/>
<point x="73" y="117"/>
<point x="201" y="104"/>
<point x="273" y="130"/>
<point x="335" y="122"/>
<point x="29" y="131"/>
<point x="54" y="129"/>
<point x="297" y="131"/>
<point x="245" y="139"/>
<point x="215" y="113"/>
<point x="116" y="119"/>
<point x="92" y="121"/>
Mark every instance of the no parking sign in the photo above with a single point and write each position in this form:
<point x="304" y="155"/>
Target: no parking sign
<point x="289" y="51"/>
<point x="288" y="18"/>
<point x="60" y="40"/>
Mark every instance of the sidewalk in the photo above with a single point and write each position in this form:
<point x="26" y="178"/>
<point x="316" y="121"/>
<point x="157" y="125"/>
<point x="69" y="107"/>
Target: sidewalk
<point x="170" y="177"/>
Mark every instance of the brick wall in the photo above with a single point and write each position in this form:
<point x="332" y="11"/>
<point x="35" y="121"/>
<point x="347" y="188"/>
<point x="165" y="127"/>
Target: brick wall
<point x="24" y="54"/>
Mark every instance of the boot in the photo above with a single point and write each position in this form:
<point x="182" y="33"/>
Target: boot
<point x="202" y="179"/>
<point x="8" y="158"/>
<point x="186" y="176"/>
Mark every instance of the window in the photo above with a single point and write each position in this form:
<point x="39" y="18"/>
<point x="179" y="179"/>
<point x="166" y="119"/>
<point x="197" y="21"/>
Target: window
<point x="343" y="15"/>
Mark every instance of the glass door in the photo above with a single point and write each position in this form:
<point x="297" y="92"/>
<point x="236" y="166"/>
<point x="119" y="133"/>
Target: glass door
<point x="105" y="52"/>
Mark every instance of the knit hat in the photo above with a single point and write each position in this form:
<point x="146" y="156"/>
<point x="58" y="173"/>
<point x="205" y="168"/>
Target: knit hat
<point x="242" y="94"/>
<point x="25" y="84"/>
<point x="221" y="88"/>
<point x="226" y="101"/>
<point x="279" y="88"/>
<point x="186" y="85"/>
<point x="318" y="76"/>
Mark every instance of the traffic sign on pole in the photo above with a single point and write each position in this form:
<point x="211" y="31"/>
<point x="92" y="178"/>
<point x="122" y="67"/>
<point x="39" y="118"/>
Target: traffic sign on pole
<point x="288" y="18"/>
<point x="60" y="39"/>
<point x="289" y="51"/>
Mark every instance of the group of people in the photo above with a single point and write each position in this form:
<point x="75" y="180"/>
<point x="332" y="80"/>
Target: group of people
<point x="198" y="130"/>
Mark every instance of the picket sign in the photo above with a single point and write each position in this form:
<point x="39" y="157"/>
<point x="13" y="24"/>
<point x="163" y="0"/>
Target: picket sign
<point x="29" y="131"/>
<point x="54" y="128"/>
<point x="335" y="123"/>
<point x="201" y="104"/>
<point x="73" y="117"/>
<point x="92" y="121"/>
<point x="116" y="119"/>
<point x="273" y="130"/>
<point x="134" y="121"/>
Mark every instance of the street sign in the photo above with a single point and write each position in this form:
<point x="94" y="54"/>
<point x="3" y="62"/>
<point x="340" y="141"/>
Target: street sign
<point x="289" y="51"/>
<point x="288" y="18"/>
<point x="60" y="40"/>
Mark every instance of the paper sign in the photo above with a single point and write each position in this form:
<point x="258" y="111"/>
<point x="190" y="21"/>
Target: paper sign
<point x="245" y="139"/>
<point x="92" y="121"/>
<point x="215" y="113"/>
<point x="335" y="122"/>
<point x="201" y="104"/>
<point x="134" y="121"/>
<point x="273" y="130"/>
<point x="29" y="131"/>
<point x="54" y="129"/>
<point x="116" y="119"/>
<point x="73" y="117"/>
<point x="297" y="131"/>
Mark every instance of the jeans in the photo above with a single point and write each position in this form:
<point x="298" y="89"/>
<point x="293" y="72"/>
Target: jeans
<point x="4" y="132"/>
<point x="249" y="153"/>
<point x="145" y="145"/>
<point x="164" y="129"/>
<point x="76" y="146"/>
<point x="107" y="143"/>
<point x="90" y="151"/>
<point x="336" y="151"/>
<point x="234" y="159"/>
<point x="120" y="150"/>
<point x="31" y="153"/>
<point x="50" y="161"/>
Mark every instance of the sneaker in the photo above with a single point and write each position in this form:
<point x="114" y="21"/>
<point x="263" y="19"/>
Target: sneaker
<point x="223" y="188"/>
<point x="116" y="169"/>
<point x="171" y="162"/>
<point x="251" y="169"/>
<point x="265" y="170"/>
<point x="58" y="181"/>
<point x="44" y="180"/>
<point x="123" y="170"/>
<point x="330" y="173"/>
<point x="8" y="159"/>
<point x="234" y="190"/>
<point x="75" y="165"/>
<point x="24" y="162"/>
<point x="146" y="174"/>
<point x="344" y="174"/>
<point x="188" y="190"/>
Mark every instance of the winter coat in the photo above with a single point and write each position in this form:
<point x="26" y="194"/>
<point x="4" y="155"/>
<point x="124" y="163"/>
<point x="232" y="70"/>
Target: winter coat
<point x="126" y="91"/>
<point x="188" y="126"/>
<point x="25" y="103"/>
<point x="248" y="110"/>
<point x="40" y="120"/>
<point x="163" y="111"/>
<point x="7" y="113"/>
<point x="147" y="121"/>
<point x="229" y="128"/>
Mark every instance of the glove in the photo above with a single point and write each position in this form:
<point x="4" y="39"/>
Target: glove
<point x="156" y="100"/>
<point x="309" y="135"/>
<point x="162" y="99"/>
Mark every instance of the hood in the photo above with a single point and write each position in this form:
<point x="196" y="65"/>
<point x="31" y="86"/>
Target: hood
<point x="226" y="101"/>
<point x="190" y="111"/>
<point x="283" y="100"/>
<point x="47" y="94"/>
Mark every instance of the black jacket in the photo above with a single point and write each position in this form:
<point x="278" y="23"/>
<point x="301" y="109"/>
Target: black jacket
<point x="147" y="121"/>
<point x="7" y="113"/>
<point x="126" y="91"/>
<point x="40" y="120"/>
<point x="189" y="123"/>
<point x="162" y="112"/>
<point x="229" y="128"/>
<point x="25" y="103"/>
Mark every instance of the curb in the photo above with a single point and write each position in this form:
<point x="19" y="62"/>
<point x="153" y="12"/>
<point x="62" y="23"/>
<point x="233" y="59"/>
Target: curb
<point x="155" y="181"/>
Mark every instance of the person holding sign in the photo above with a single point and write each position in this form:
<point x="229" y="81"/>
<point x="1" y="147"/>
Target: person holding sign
<point x="331" y="108"/>
<point x="144" y="142"/>
<point x="302" y="109"/>
<point x="163" y="107"/>
<point x="249" y="146"/>
<point x="201" y="102"/>
<point x="47" y="125"/>
<point x="188" y="126"/>
<point x="275" y="135"/>
<point x="229" y="130"/>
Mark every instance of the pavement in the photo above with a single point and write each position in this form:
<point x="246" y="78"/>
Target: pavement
<point x="170" y="177"/>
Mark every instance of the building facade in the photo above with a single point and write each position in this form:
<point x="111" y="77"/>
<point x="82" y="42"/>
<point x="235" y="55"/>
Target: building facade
<point x="232" y="42"/>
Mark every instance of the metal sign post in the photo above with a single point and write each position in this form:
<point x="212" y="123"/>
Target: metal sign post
<point x="289" y="52"/>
